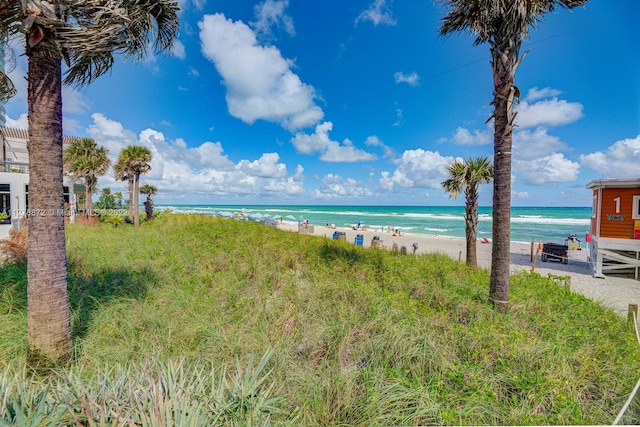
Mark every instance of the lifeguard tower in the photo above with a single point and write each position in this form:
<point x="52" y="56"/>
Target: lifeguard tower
<point x="615" y="226"/>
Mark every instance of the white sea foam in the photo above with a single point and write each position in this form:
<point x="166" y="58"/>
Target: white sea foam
<point x="547" y="220"/>
<point x="436" y="230"/>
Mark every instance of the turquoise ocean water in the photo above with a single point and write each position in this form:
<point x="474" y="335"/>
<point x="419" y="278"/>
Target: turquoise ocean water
<point x="550" y="224"/>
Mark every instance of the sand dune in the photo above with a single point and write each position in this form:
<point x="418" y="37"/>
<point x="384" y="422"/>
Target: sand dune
<point x="614" y="292"/>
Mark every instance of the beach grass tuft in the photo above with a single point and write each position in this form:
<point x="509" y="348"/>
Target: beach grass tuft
<point x="204" y="320"/>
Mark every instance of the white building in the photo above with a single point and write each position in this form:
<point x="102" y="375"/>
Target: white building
<point x="14" y="177"/>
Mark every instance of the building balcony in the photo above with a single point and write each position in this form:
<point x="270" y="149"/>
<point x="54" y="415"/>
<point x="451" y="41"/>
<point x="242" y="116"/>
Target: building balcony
<point x="14" y="167"/>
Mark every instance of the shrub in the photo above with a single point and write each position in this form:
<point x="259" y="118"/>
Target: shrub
<point x="114" y="220"/>
<point x="17" y="245"/>
<point x="150" y="394"/>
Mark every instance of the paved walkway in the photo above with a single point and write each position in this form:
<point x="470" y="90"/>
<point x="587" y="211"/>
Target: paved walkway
<point x="4" y="231"/>
<point x="614" y="291"/>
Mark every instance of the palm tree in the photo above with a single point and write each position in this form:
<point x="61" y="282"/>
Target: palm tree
<point x="84" y="159"/>
<point x="133" y="161"/>
<point x="504" y="25"/>
<point x="149" y="190"/>
<point x="123" y="174"/>
<point x="106" y="200"/>
<point x="118" y="197"/>
<point x="86" y="34"/>
<point x="467" y="176"/>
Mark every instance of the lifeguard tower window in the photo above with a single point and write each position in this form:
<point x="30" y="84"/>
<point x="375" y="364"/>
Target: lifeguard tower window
<point x="636" y="207"/>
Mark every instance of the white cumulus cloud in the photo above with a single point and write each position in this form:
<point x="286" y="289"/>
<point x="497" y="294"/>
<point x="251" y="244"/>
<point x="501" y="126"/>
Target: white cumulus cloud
<point x="554" y="168"/>
<point x="547" y="112"/>
<point x="259" y="81"/>
<point x="178" y="169"/>
<point x="378" y="13"/>
<point x="411" y="79"/>
<point x="534" y="93"/>
<point x="21" y="122"/>
<point x="621" y="160"/>
<point x="532" y="144"/>
<point x="178" y="50"/>
<point x="538" y="156"/>
<point x="374" y="141"/>
<point x="330" y="151"/>
<point x="417" y="168"/>
<point x="335" y="187"/>
<point x="272" y="13"/>
<point x="463" y="136"/>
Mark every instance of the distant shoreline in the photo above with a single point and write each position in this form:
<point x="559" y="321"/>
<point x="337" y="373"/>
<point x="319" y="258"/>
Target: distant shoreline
<point x="542" y="224"/>
<point x="454" y="247"/>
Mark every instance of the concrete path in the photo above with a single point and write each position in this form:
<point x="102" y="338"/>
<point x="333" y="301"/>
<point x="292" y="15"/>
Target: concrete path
<point x="614" y="291"/>
<point x="4" y="231"/>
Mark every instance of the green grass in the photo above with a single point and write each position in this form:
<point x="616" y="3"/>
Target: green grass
<point x="352" y="336"/>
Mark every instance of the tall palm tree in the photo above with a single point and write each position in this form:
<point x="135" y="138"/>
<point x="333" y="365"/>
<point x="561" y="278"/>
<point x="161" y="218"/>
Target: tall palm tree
<point x="123" y="174"/>
<point x="504" y="25"/>
<point x="133" y="161"/>
<point x="86" y="34"/>
<point x="466" y="176"/>
<point x="106" y="200"/>
<point x="118" y="197"/>
<point x="84" y="159"/>
<point x="149" y="190"/>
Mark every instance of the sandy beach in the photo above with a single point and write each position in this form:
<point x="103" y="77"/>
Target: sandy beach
<point x="614" y="291"/>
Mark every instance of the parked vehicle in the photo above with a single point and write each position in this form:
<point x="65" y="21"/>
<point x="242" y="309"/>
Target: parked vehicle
<point x="573" y="242"/>
<point x="552" y="250"/>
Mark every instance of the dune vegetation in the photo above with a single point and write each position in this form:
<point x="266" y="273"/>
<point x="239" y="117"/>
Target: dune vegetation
<point x="201" y="321"/>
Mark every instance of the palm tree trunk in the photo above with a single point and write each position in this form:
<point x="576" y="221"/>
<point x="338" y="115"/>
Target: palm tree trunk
<point x="471" y="227"/>
<point x="504" y="64"/>
<point x="88" y="204"/>
<point x="48" y="321"/>
<point x="130" y="187"/>
<point x="136" y="192"/>
<point x="148" y="208"/>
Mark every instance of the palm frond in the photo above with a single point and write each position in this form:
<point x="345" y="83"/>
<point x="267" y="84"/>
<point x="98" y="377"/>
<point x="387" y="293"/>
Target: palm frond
<point x="87" y="67"/>
<point x="11" y="16"/>
<point x="89" y="33"/>
<point x="465" y="176"/>
<point x="10" y="20"/>
<point x="7" y="88"/>
<point x="83" y="158"/>
<point x="487" y="18"/>
<point x="151" y="17"/>
<point x="132" y="160"/>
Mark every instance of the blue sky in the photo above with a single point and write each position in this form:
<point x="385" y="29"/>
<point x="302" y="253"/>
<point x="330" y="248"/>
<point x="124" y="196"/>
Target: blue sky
<point x="362" y="103"/>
